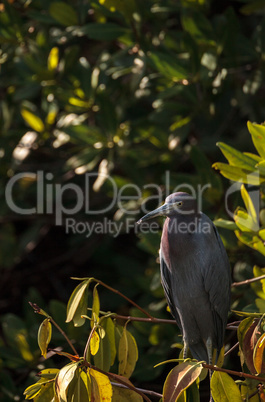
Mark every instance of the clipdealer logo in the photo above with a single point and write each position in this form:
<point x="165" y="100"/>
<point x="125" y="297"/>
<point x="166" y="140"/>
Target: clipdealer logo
<point x="51" y="198"/>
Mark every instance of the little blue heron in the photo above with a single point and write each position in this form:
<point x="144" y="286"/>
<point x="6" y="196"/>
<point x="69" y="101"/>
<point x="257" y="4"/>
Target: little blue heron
<point x="195" y="274"/>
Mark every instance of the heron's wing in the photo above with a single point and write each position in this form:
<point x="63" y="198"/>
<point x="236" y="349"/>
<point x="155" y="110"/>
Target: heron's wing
<point x="217" y="282"/>
<point x="166" y="283"/>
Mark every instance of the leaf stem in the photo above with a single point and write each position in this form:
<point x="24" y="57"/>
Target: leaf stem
<point x="247" y="281"/>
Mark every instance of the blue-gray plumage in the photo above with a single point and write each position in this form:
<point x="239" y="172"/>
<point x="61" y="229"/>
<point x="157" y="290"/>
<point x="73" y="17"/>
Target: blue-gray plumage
<point x="195" y="274"/>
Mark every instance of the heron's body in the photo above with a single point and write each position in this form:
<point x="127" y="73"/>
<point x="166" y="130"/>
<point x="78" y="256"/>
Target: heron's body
<point x="195" y="275"/>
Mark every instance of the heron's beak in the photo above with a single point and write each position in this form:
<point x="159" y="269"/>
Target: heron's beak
<point x="161" y="211"/>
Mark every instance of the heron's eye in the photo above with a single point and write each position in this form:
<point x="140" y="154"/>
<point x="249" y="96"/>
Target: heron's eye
<point x="179" y="203"/>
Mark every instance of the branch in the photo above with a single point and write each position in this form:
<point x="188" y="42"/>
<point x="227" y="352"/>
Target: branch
<point x="232" y="372"/>
<point x="144" y="391"/>
<point x="247" y="281"/>
<point x="125" y="297"/>
<point x="142" y="319"/>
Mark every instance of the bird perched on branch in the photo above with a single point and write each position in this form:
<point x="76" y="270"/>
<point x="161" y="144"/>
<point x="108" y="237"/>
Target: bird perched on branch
<point x="195" y="274"/>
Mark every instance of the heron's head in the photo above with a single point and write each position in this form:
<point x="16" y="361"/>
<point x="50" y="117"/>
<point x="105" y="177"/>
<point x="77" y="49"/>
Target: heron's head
<point x="175" y="204"/>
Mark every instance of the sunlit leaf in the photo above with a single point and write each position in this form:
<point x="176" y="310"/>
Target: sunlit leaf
<point x="259" y="286"/>
<point x="49" y="373"/>
<point x="179" y="378"/>
<point x="44" y="336"/>
<point x="63" y="380"/>
<point x="94" y="343"/>
<point x="244" y="221"/>
<point x="104" y="386"/>
<point x="32" y="120"/>
<point x="237" y="158"/>
<point x="109" y="327"/>
<point x="102" y="358"/>
<point x="258" y="354"/>
<point x="237" y="174"/>
<point x="53" y="59"/>
<point x="75" y="299"/>
<point x="250" y="207"/>
<point x="226" y="224"/>
<point x="224" y="388"/>
<point x="245" y="337"/>
<point x="257" y="132"/>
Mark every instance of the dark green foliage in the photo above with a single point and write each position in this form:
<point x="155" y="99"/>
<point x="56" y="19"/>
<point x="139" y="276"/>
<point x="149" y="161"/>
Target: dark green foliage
<point x="141" y="91"/>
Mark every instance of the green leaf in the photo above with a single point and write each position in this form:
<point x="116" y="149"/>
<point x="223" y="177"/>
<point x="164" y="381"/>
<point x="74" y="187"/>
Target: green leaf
<point x="238" y="174"/>
<point x="63" y="13"/>
<point x="224" y="388"/>
<point x="33" y="121"/>
<point x="245" y="337"/>
<point x="79" y="316"/>
<point x="250" y="207"/>
<point x="75" y="299"/>
<point x="237" y="158"/>
<point x="44" y="336"/>
<point x="109" y="327"/>
<point x="257" y="132"/>
<point x="102" y="358"/>
<point x="224" y="223"/>
<point x="33" y="390"/>
<point x="179" y="379"/>
<point x="105" y="32"/>
<point x="168" y="65"/>
<point x="127" y="354"/>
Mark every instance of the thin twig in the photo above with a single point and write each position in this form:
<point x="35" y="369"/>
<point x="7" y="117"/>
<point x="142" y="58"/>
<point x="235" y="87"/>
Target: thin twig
<point x="125" y="297"/>
<point x="247" y="281"/>
<point x="143" y="319"/>
<point x="144" y="391"/>
<point x="231" y="349"/>
<point x="232" y="372"/>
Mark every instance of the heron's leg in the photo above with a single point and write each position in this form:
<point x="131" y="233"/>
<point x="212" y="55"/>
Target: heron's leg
<point x="185" y="349"/>
<point x="209" y="348"/>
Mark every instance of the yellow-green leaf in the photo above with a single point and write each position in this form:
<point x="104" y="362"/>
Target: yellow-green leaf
<point x="46" y="393"/>
<point x="258" y="354"/>
<point x="259" y="286"/>
<point x="257" y="132"/>
<point x="94" y="343"/>
<point x="237" y="158"/>
<point x="102" y="358"/>
<point x="249" y="207"/>
<point x="53" y="59"/>
<point x="244" y="221"/>
<point x="33" y="390"/>
<point x="238" y="174"/>
<point x="223" y="223"/>
<point x="44" y="336"/>
<point x="49" y="373"/>
<point x="104" y="386"/>
<point x="33" y="121"/>
<point x="179" y="379"/>
<point x="128" y="353"/>
<point x="75" y="299"/>
<point x="224" y="388"/>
